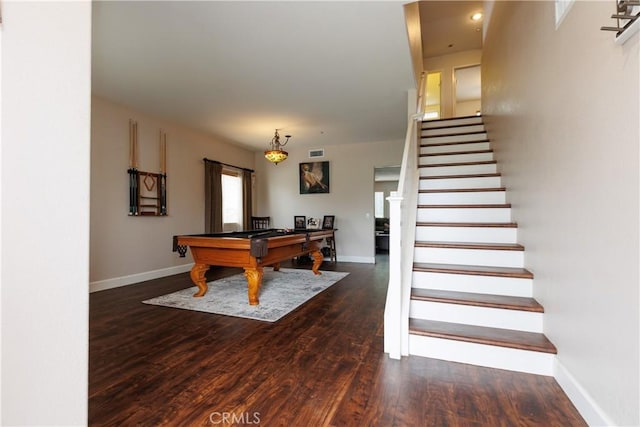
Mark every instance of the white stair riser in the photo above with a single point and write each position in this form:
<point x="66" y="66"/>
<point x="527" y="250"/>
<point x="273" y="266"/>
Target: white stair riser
<point x="492" y="285"/>
<point x="452" y="122"/>
<point x="464" y="215"/>
<point x="480" y="316"/>
<point x="458" y="170"/>
<point x="454" y="138"/>
<point x="467" y="234"/>
<point x="482" y="355"/>
<point x="463" y="198"/>
<point x="495" y="258"/>
<point x="450" y="130"/>
<point x="457" y="183"/>
<point x="475" y="146"/>
<point x="455" y="158"/>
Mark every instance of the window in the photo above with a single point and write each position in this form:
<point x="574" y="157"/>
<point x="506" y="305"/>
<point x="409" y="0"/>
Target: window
<point x="231" y="201"/>
<point x="562" y="8"/>
<point x="379" y="204"/>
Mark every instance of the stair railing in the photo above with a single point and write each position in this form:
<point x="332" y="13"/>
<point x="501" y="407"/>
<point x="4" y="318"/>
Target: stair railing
<point x="626" y="18"/>
<point x="403" y="205"/>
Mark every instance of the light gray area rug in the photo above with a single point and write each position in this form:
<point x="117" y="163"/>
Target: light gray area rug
<point x="281" y="292"/>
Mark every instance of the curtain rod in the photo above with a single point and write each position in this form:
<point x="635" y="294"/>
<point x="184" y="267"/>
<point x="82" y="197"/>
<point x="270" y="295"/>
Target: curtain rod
<point x="227" y="164"/>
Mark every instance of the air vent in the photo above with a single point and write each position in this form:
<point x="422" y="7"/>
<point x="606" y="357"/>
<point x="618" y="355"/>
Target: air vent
<point x="318" y="152"/>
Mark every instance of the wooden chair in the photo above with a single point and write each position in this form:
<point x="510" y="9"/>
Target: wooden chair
<point x="260" y="222"/>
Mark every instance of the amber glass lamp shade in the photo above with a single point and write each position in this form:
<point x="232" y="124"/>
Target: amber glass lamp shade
<point x="275" y="156"/>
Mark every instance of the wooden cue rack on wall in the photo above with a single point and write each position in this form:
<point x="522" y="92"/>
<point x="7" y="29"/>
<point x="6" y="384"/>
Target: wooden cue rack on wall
<point x="147" y="190"/>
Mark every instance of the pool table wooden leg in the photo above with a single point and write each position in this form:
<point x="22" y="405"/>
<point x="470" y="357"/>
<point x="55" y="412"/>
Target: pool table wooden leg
<point x="276" y="267"/>
<point x="317" y="261"/>
<point x="197" y="276"/>
<point x="254" y="280"/>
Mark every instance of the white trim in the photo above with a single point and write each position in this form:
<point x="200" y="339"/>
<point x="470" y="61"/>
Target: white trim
<point x="359" y="259"/>
<point x="131" y="279"/>
<point x="116" y="282"/>
<point x="584" y="403"/>
<point x="491" y="356"/>
<point x="562" y="8"/>
<point x="626" y="34"/>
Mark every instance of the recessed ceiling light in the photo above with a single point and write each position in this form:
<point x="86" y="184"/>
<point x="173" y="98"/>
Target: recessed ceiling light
<point x="476" y="16"/>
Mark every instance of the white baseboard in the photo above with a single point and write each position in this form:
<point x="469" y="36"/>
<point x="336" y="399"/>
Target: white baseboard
<point x="584" y="403"/>
<point x="360" y="259"/>
<point x="116" y="282"/>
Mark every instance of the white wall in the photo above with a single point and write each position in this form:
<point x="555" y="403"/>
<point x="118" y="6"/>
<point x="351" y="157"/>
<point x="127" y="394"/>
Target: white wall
<point x="351" y="197"/>
<point x="561" y="107"/>
<point x="129" y="249"/>
<point x="447" y="64"/>
<point x="46" y="85"/>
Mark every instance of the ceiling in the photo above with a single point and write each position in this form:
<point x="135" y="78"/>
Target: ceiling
<point x="447" y="27"/>
<point x="325" y="72"/>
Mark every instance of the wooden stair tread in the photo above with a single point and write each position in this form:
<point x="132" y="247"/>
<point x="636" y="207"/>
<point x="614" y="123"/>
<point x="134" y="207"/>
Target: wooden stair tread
<point x="450" y="126"/>
<point x="438" y="144"/>
<point x="477" y="300"/>
<point x="471" y="175"/>
<point x="462" y="190"/>
<point x="451" y="134"/>
<point x="465" y="245"/>
<point x="495" y="205"/>
<point x="473" y="270"/>
<point x="480" y="162"/>
<point x="453" y="153"/>
<point x="468" y="224"/>
<point x="449" y="119"/>
<point x="482" y="335"/>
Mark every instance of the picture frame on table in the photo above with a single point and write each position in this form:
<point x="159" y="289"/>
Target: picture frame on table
<point x="328" y="222"/>
<point x="299" y="221"/>
<point x="313" y="223"/>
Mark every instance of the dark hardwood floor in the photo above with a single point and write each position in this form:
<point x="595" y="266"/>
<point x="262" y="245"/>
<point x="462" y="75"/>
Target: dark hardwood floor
<point x="321" y="365"/>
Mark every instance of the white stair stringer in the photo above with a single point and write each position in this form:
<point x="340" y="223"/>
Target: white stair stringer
<point x="508" y="286"/>
<point x="453" y="232"/>
<point x="471" y="295"/>
<point x="460" y="182"/>
<point x="473" y="145"/>
<point x="528" y="361"/>
<point x="459" y="121"/>
<point x="488" y="197"/>
<point x="482" y="316"/>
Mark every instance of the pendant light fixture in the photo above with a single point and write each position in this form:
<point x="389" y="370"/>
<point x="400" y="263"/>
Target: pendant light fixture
<point x="276" y="154"/>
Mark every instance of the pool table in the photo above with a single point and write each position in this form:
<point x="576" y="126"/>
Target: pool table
<point x="252" y="250"/>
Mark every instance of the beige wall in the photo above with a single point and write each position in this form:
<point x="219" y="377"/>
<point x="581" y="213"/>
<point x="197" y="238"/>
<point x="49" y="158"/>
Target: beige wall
<point x="125" y="249"/>
<point x="446" y="64"/>
<point x="351" y="197"/>
<point x="561" y="107"/>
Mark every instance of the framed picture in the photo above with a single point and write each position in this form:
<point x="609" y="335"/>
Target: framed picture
<point x="299" y="221"/>
<point x="313" y="223"/>
<point x="314" y="177"/>
<point x="328" y="222"/>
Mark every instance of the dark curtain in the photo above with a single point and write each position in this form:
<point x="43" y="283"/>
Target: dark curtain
<point x="247" y="206"/>
<point x="212" y="197"/>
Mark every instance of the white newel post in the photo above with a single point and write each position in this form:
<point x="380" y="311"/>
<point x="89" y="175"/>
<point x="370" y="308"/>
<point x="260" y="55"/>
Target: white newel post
<point x="393" y="312"/>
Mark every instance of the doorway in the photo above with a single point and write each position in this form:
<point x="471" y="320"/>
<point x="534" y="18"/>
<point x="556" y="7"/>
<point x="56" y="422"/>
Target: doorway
<point x="433" y="96"/>
<point x="467" y="92"/>
<point x="386" y="181"/>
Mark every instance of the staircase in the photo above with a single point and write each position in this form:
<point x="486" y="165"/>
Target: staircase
<point x="471" y="297"/>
